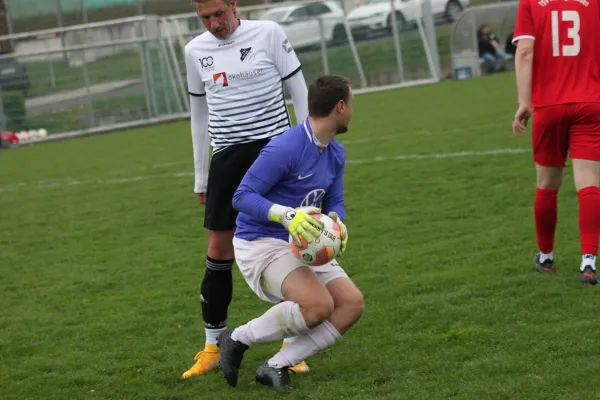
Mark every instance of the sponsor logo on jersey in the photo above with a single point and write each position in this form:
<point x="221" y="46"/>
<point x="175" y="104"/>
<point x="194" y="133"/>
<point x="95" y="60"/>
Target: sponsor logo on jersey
<point x="207" y="63"/>
<point x="224" y="77"/>
<point x="287" y="46"/>
<point x="246" y="55"/>
<point x="314" y="198"/>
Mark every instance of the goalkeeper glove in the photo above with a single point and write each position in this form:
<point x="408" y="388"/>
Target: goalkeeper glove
<point x="333" y="215"/>
<point x="297" y="222"/>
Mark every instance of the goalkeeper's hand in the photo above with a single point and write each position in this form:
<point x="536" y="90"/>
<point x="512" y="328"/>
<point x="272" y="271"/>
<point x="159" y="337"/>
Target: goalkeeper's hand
<point x="333" y="215"/>
<point x="297" y="221"/>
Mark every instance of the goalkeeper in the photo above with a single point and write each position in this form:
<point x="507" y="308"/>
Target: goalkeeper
<point x="297" y="173"/>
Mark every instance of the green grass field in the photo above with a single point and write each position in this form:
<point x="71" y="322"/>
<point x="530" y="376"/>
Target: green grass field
<point x="102" y="250"/>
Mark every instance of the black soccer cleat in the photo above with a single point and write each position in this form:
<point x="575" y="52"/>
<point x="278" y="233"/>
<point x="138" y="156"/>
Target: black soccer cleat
<point x="546" y="266"/>
<point x="588" y="275"/>
<point x="232" y="353"/>
<point x="277" y="378"/>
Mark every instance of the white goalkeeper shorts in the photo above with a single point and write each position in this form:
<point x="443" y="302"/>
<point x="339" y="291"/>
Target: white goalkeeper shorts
<point x="266" y="262"/>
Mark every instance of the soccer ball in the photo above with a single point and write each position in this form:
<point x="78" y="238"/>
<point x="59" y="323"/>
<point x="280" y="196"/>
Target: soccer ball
<point x="324" y="248"/>
<point x="23" y="136"/>
<point x="43" y="133"/>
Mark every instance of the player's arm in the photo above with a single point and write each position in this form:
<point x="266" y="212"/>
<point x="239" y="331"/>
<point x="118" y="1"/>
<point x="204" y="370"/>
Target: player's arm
<point x="524" y="67"/>
<point x="524" y="36"/>
<point x="289" y="67"/>
<point x="273" y="165"/>
<point x="270" y="167"/>
<point x="199" y="122"/>
<point x="333" y="204"/>
<point x="494" y="40"/>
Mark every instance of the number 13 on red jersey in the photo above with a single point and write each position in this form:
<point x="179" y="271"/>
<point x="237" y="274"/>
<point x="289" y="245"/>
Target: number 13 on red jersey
<point x="562" y="17"/>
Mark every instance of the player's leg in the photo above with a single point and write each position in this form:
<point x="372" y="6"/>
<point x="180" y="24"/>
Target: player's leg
<point x="216" y="288"/>
<point x="586" y="175"/>
<point x="549" y="180"/>
<point x="302" y="366"/>
<point x="227" y="168"/>
<point x="266" y="264"/>
<point x="550" y="146"/>
<point x="348" y="308"/>
<point x="585" y="152"/>
<point x="307" y="306"/>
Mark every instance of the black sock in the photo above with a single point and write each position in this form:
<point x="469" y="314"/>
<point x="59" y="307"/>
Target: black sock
<point x="216" y="292"/>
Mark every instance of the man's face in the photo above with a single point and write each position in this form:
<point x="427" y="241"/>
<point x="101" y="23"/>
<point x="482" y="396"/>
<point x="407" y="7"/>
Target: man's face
<point x="345" y="110"/>
<point x="217" y="16"/>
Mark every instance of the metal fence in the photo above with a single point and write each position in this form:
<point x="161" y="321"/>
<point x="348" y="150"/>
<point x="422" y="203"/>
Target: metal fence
<point x="328" y="45"/>
<point x="47" y="14"/>
<point x="21" y="15"/>
<point x="85" y="79"/>
<point x="100" y="77"/>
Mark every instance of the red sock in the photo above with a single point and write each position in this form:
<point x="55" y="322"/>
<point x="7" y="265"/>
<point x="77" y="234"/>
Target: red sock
<point x="546" y="214"/>
<point x="589" y="219"/>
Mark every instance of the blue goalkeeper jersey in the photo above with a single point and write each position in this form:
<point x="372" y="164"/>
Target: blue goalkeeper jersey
<point x="292" y="170"/>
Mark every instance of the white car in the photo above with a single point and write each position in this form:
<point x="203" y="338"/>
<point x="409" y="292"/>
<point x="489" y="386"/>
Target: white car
<point x="301" y="22"/>
<point x="375" y="16"/>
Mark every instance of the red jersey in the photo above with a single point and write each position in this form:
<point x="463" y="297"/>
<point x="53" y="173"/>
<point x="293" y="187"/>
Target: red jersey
<point x="566" y="59"/>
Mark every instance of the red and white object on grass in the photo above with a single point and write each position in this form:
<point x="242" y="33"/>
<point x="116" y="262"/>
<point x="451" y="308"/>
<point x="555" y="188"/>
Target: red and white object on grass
<point x="10" y="137"/>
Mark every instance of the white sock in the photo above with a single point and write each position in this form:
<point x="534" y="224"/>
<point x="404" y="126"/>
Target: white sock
<point x="280" y="321"/>
<point x="213" y="334"/>
<point x="546" y="256"/>
<point x="315" y="340"/>
<point x="588" y="260"/>
<point x="289" y="340"/>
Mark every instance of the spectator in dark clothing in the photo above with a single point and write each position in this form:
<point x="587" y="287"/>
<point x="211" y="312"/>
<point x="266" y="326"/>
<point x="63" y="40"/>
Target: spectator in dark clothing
<point x="510" y="47"/>
<point x="490" y="49"/>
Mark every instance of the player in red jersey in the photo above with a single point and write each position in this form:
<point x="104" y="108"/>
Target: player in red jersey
<point x="558" y="81"/>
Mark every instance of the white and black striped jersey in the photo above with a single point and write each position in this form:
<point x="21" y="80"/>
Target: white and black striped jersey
<point x="241" y="78"/>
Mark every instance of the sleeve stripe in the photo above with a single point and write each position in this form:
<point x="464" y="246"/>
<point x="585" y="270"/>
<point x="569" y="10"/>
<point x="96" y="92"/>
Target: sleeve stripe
<point x="288" y="76"/>
<point x="197" y="95"/>
<point x="515" y="39"/>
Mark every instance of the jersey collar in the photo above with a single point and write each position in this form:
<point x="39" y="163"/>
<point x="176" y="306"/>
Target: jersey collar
<point x="311" y="135"/>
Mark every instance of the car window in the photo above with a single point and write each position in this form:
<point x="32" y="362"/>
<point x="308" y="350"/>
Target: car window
<point x="300" y="13"/>
<point x="276" y="16"/>
<point x="318" y="9"/>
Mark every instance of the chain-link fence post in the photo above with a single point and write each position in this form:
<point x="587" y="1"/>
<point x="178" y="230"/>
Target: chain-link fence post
<point x="324" y="57"/>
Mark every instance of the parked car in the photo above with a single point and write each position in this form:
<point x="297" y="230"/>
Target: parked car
<point x="13" y="75"/>
<point x="375" y="16"/>
<point x="300" y="22"/>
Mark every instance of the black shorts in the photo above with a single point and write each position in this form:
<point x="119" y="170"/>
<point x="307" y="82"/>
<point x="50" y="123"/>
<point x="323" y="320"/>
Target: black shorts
<point x="227" y="169"/>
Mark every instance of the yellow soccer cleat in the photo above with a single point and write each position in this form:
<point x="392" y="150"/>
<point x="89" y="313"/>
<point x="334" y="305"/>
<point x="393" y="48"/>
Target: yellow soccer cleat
<point x="301" y="367"/>
<point x="206" y="361"/>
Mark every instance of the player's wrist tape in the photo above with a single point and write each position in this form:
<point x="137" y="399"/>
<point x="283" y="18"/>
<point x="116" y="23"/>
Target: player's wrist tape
<point x="277" y="212"/>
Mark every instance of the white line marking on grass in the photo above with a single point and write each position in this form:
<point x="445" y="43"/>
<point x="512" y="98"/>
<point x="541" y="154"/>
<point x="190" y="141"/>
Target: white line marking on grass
<point x="439" y="155"/>
<point x="182" y="174"/>
<point x="421" y="132"/>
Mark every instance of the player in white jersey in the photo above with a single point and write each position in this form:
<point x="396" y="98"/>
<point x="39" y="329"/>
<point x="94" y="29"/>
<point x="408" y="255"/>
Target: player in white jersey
<point x="235" y="72"/>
